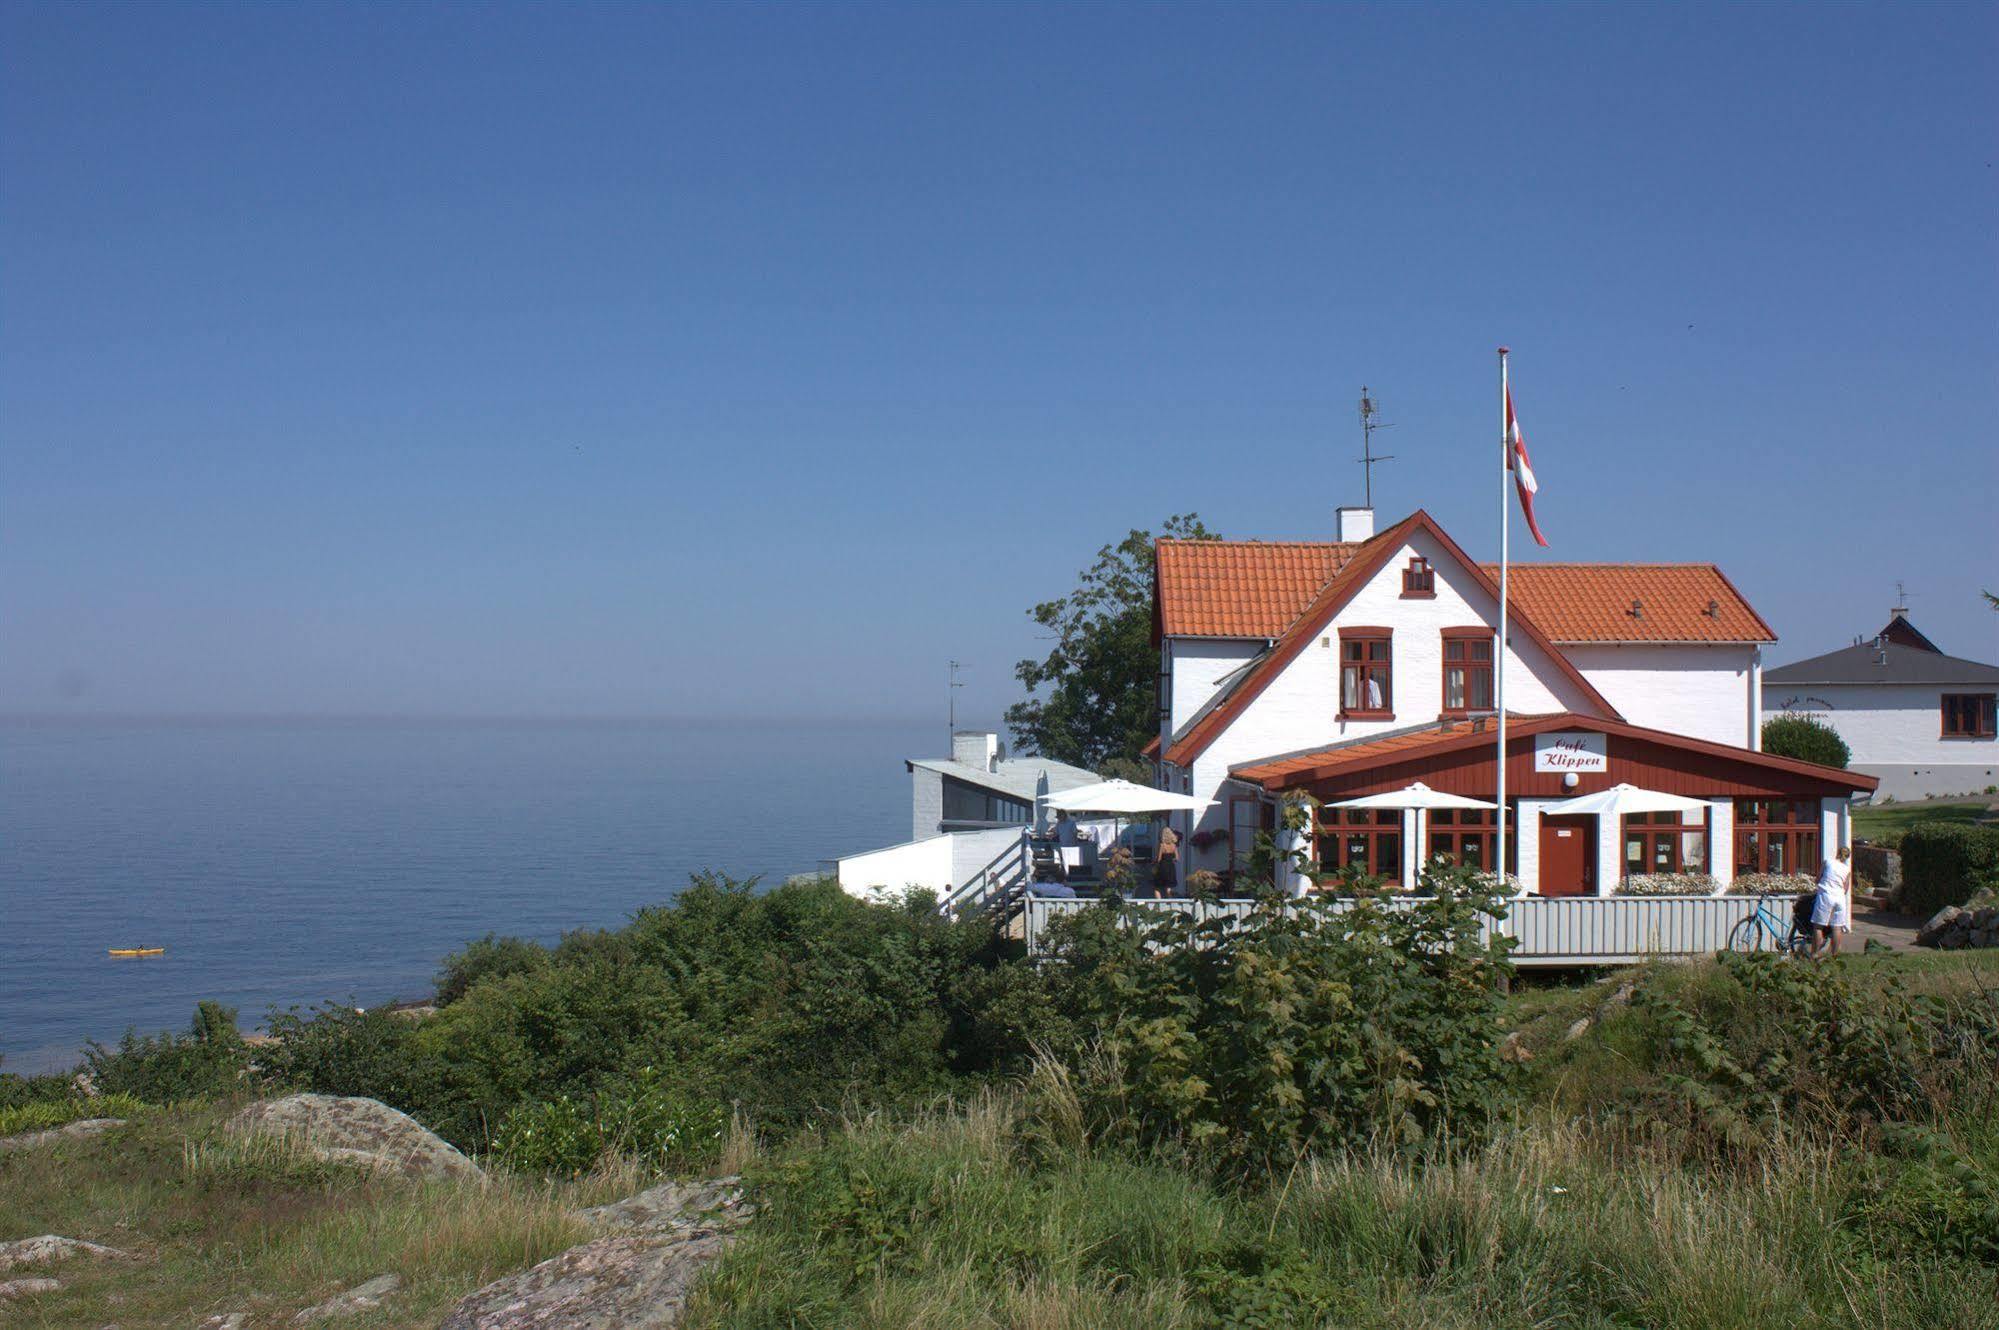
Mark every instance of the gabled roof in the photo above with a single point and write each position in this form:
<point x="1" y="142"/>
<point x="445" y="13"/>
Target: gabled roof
<point x="1447" y="736"/>
<point x="1240" y="588"/>
<point x="1365" y="560"/>
<point x="1900" y="630"/>
<point x="1887" y="662"/>
<point x="1256" y="589"/>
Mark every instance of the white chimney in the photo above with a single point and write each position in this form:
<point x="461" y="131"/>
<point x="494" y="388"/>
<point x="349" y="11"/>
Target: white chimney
<point x="976" y="748"/>
<point x="1356" y="524"/>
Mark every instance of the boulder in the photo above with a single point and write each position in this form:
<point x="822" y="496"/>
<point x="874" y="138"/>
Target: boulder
<point x="1939" y="924"/>
<point x="675" y="1207"/>
<point x="69" y="1131"/>
<point x="49" y="1248"/>
<point x="19" y="1288"/>
<point x="361" y="1298"/>
<point x="363" y="1132"/>
<point x="634" y="1281"/>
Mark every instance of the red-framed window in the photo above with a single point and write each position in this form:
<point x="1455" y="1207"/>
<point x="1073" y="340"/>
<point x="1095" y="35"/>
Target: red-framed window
<point x="1419" y="579"/>
<point x="1467" y="670"/>
<point x="1367" y="673"/>
<point x="1776" y="836"/>
<point x="1970" y="715"/>
<point x="1468" y="836"/>
<point x="1369" y="839"/>
<point x="1664" y="843"/>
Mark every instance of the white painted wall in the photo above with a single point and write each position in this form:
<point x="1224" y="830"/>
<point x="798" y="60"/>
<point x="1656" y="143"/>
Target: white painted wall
<point x="1888" y="723"/>
<point x="1198" y="665"/>
<point x="887" y="872"/>
<point x="1706" y="692"/>
<point x="926" y="799"/>
<point x="1299" y="709"/>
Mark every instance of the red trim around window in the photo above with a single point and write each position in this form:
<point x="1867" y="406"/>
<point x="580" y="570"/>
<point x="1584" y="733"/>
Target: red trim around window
<point x="1970" y="715"/>
<point x="1474" y="691"/>
<point x="1367" y="673"/>
<point x="1419" y="579"/>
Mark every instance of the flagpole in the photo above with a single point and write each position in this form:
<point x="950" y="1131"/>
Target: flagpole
<point x="1499" y="651"/>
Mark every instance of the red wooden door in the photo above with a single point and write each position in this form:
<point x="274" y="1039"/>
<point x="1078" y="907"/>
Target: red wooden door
<point x="1568" y="855"/>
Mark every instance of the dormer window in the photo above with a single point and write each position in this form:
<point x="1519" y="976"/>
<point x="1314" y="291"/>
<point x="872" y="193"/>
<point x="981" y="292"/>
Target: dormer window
<point x="1419" y="579"/>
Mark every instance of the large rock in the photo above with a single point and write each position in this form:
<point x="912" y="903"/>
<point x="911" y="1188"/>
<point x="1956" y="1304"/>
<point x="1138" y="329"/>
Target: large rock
<point x="640" y="1277"/>
<point x="49" y="1248"/>
<point x="361" y="1298"/>
<point x="69" y="1131"/>
<point x="364" y="1132"/>
<point x="21" y="1288"/>
<point x="612" y="1283"/>
<point x="1939" y="924"/>
<point x="675" y="1207"/>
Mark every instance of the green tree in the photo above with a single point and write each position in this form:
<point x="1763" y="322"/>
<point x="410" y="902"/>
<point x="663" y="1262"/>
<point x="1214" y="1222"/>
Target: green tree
<point x="1806" y="738"/>
<point x="1092" y="702"/>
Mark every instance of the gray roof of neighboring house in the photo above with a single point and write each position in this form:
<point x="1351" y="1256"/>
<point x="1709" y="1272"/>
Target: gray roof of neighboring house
<point x="1016" y="776"/>
<point x="1884" y="662"/>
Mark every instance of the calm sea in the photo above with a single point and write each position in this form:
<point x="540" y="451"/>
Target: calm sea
<point x="304" y="861"/>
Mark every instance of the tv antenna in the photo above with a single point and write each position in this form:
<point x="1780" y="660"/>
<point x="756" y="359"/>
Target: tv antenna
<point x="1369" y="409"/>
<point x="952" y="693"/>
<point x="1901" y="595"/>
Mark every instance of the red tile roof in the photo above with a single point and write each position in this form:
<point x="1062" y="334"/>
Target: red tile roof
<point x="1253" y="588"/>
<point x="1241" y="588"/>
<point x="1362" y="562"/>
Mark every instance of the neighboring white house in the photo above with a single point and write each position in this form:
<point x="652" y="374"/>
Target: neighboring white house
<point x="1920" y="720"/>
<point x="1355" y="666"/>
<point x="967" y="811"/>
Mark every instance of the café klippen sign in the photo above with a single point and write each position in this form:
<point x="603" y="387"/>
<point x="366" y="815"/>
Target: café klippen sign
<point x="1571" y="752"/>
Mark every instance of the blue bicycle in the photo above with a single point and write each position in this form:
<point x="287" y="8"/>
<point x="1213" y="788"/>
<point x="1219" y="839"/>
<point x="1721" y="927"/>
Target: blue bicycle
<point x="1766" y="931"/>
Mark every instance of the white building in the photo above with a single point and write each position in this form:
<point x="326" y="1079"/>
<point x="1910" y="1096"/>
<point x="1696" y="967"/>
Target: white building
<point x="1921" y="721"/>
<point x="1355" y="666"/>
<point x="967" y="813"/>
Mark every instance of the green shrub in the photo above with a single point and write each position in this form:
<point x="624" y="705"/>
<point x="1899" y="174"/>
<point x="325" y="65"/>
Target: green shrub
<point x="341" y="1051"/>
<point x="48" y="1087"/>
<point x="1947" y="863"/>
<point x="1806" y="738"/>
<point x="166" y="1068"/>
<point x="490" y="957"/>
<point x="643" y="1119"/>
<point x="40" y="1115"/>
<point x="1246" y="1043"/>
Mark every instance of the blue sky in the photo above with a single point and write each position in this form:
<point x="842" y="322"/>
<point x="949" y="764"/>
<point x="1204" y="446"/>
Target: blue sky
<point x="755" y="360"/>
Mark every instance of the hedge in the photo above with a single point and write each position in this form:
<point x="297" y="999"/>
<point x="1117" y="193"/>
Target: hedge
<point x="1945" y="863"/>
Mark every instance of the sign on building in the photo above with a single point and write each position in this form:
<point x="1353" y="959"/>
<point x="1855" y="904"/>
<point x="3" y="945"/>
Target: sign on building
<point x="1571" y="752"/>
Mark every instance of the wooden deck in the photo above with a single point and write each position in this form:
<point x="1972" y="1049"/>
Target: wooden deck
<point x="1549" y="932"/>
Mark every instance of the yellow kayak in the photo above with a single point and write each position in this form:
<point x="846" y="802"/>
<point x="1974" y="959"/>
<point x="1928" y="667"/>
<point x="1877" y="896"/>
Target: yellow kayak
<point x="137" y="951"/>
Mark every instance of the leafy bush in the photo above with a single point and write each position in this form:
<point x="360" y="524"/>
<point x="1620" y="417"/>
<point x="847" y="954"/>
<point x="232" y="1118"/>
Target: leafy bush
<point x="1784" y="1042"/>
<point x="49" y="1087"/>
<point x="40" y="1115"/>
<point x="1947" y="863"/>
<point x="209" y="1060"/>
<point x="339" y="1050"/>
<point x="1668" y="884"/>
<point x="642" y="1119"/>
<point x="1248" y="1042"/>
<point x="1772" y="884"/>
<point x="488" y="958"/>
<point x="1806" y="738"/>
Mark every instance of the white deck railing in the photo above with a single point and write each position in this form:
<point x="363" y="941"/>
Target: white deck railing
<point x="1547" y="930"/>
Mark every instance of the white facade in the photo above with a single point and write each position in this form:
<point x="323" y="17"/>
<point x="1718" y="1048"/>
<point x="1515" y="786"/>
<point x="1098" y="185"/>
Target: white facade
<point x="1299" y="709"/>
<point x="1700" y="690"/>
<point x="1895" y="731"/>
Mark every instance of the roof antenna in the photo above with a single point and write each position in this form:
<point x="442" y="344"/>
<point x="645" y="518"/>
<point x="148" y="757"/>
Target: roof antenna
<point x="952" y="693"/>
<point x="1369" y="409"/>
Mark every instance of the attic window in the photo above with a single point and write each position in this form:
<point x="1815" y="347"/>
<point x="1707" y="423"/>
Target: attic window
<point x="1637" y="610"/>
<point x="1419" y="579"/>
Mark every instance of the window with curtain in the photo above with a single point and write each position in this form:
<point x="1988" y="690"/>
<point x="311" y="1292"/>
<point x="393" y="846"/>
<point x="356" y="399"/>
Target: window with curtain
<point x="1367" y="685"/>
<point x="1467" y="670"/>
<point x="1664" y="843"/>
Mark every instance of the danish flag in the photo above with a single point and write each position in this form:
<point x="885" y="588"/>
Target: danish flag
<point x="1523" y="470"/>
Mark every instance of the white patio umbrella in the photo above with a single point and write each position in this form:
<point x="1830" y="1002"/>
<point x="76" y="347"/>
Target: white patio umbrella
<point x="1122" y="798"/>
<point x="1041" y="803"/>
<point x="1621" y="799"/>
